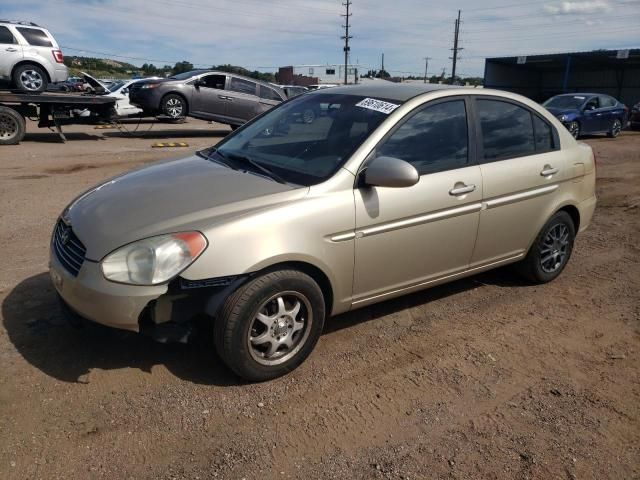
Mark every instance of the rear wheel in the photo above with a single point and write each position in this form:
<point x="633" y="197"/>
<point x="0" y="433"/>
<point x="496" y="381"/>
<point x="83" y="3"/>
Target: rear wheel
<point x="12" y="126"/>
<point x="30" y="78"/>
<point x="269" y="326"/>
<point x="174" y="106"/>
<point x="615" y="129"/>
<point x="551" y="249"/>
<point x="574" y="129"/>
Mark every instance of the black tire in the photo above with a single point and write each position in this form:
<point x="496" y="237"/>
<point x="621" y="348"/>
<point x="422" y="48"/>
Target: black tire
<point x="615" y="129"/>
<point x="533" y="267"/>
<point x="30" y="78"/>
<point x="12" y="126"/>
<point x="309" y="116"/>
<point x="174" y="106"/>
<point x="237" y="322"/>
<point x="574" y="129"/>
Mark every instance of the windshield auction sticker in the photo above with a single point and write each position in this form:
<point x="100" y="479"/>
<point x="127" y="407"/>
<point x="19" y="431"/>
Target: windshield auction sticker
<point x="377" y="105"/>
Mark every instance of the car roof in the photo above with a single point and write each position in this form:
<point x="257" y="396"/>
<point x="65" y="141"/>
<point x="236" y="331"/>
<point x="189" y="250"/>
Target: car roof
<point x="579" y="94"/>
<point x="400" y="92"/>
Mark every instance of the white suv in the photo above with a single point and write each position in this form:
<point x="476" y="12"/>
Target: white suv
<point x="29" y="56"/>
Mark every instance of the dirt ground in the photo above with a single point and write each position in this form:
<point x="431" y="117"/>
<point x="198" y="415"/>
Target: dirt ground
<point x="486" y="377"/>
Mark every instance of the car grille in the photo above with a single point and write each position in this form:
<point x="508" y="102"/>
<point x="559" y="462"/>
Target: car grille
<point x="68" y="248"/>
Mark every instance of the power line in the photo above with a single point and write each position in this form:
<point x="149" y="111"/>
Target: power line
<point x="346" y="38"/>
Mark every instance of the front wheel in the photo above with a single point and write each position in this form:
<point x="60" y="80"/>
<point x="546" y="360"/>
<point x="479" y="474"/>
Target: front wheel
<point x="551" y="249"/>
<point x="270" y="325"/>
<point x="174" y="106"/>
<point x="615" y="129"/>
<point x="574" y="129"/>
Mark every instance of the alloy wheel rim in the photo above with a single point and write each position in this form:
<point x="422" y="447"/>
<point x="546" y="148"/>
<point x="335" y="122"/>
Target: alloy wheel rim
<point x="174" y="107"/>
<point x="574" y="129"/>
<point x="280" y="328"/>
<point x="617" y="126"/>
<point x="31" y="80"/>
<point x="8" y="126"/>
<point x="554" y="248"/>
<point x="308" y="116"/>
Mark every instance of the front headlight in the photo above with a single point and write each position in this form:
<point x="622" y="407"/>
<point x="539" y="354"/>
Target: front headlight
<point x="153" y="260"/>
<point x="150" y="85"/>
<point x="562" y="118"/>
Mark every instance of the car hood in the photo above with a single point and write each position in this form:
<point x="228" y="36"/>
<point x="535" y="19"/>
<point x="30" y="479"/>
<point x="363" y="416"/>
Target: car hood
<point x="97" y="85"/>
<point x="563" y="111"/>
<point x="188" y="194"/>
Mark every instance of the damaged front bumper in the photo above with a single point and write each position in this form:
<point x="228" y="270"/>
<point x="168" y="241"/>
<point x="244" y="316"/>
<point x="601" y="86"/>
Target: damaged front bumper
<point x="163" y="311"/>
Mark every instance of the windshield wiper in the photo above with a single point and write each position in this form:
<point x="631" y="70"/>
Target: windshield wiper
<point x="209" y="154"/>
<point x="241" y="158"/>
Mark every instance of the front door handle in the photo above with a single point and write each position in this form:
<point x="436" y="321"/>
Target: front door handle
<point x="11" y="49"/>
<point x="462" y="189"/>
<point x="548" y="170"/>
<point x="223" y="97"/>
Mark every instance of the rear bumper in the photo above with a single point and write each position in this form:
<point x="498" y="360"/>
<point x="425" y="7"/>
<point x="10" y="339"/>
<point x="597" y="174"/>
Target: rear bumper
<point x="60" y="73"/>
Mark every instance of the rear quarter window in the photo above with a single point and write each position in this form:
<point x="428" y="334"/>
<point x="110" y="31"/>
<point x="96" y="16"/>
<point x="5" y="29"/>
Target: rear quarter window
<point x="269" y="93"/>
<point x="6" y="36"/>
<point x="35" y="37"/>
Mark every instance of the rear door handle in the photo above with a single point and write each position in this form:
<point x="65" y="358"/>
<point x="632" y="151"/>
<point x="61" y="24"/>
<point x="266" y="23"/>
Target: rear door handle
<point x="548" y="170"/>
<point x="462" y="190"/>
<point x="223" y="97"/>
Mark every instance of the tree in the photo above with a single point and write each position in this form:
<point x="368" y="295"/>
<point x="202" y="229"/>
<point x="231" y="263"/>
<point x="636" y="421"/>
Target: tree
<point x="182" y="67"/>
<point x="382" y="74"/>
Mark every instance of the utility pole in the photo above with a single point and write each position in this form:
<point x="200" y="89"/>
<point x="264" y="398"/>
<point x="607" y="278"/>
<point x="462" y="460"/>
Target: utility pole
<point x="426" y="67"/>
<point x="346" y="38"/>
<point x="382" y="67"/>
<point x="455" y="48"/>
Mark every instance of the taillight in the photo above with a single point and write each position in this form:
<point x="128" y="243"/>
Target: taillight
<point x="57" y="54"/>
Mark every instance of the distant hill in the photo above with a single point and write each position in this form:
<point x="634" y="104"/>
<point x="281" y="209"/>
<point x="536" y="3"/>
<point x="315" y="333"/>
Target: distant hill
<point x="107" y="68"/>
<point x="100" y="67"/>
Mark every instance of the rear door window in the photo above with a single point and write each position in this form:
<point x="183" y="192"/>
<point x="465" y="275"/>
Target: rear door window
<point x="606" y="101"/>
<point x="507" y="130"/>
<point x="35" y="37"/>
<point x="6" y="37"/>
<point x="433" y="140"/>
<point x="543" y="135"/>
<point x="243" y="86"/>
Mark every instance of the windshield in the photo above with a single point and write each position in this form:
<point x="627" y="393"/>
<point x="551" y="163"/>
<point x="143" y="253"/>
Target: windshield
<point x="305" y="141"/>
<point x="565" y="101"/>
<point x="115" y="86"/>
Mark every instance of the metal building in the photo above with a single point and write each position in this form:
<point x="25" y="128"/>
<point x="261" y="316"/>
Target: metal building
<point x="612" y="72"/>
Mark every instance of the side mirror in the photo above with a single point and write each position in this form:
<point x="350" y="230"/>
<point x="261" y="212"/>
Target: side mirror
<point x="390" y="172"/>
<point x="124" y="91"/>
<point x="198" y="83"/>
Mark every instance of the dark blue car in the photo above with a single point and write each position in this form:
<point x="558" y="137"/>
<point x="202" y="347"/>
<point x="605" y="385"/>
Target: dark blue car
<point x="587" y="113"/>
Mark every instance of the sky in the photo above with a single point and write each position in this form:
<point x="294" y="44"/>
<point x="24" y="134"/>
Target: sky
<point x="265" y="34"/>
